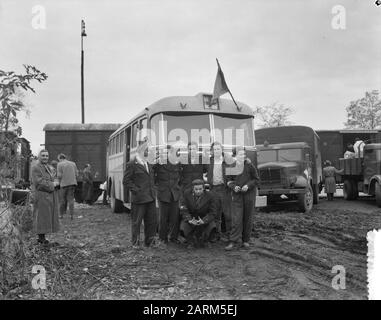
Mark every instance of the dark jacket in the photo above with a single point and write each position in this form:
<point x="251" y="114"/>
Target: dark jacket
<point x="141" y="183"/>
<point x="167" y="178"/>
<point x="248" y="176"/>
<point x="210" y="168"/>
<point x="190" y="172"/>
<point x="206" y="208"/>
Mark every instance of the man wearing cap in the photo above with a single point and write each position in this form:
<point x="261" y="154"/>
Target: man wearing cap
<point x="139" y="179"/>
<point x="198" y="211"/>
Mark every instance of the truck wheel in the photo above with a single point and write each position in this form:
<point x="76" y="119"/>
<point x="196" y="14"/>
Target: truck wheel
<point x="378" y="193"/>
<point x="315" y="189"/>
<point x="305" y="200"/>
<point x="355" y="189"/>
<point x="348" y="191"/>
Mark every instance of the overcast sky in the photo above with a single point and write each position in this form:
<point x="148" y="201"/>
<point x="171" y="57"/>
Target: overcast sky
<point x="137" y="52"/>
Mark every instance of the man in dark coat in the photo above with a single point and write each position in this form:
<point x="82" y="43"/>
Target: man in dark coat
<point x="139" y="179"/>
<point x="45" y="198"/>
<point x="87" y="184"/>
<point x="243" y="185"/>
<point x="198" y="210"/>
<point x="167" y="177"/>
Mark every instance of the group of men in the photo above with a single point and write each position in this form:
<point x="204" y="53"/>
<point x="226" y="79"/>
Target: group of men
<point x="185" y="205"/>
<point x="53" y="191"/>
<point x="179" y="189"/>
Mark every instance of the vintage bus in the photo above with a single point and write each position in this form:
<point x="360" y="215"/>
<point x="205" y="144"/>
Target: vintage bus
<point x="178" y="119"/>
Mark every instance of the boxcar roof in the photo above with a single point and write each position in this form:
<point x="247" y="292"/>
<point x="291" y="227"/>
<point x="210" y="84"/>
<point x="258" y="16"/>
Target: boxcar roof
<point x="192" y="104"/>
<point x="81" y="126"/>
<point x="350" y="131"/>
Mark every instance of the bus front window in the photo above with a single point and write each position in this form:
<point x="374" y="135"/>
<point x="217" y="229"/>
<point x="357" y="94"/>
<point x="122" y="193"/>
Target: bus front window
<point x="183" y="127"/>
<point x="234" y="131"/>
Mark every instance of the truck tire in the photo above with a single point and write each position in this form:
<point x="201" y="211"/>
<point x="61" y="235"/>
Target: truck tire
<point x="355" y="189"/>
<point x="348" y="191"/>
<point x="315" y="189"/>
<point x="305" y="200"/>
<point x="378" y="193"/>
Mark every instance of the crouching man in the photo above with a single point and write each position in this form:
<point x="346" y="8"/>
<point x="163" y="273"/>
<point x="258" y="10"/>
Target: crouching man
<point x="198" y="211"/>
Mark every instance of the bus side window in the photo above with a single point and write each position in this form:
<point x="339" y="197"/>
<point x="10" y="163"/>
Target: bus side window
<point x="117" y="144"/>
<point x="134" y="135"/>
<point x="143" y="134"/>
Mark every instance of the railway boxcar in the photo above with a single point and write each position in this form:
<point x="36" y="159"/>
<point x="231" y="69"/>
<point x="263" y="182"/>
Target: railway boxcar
<point x="82" y="143"/>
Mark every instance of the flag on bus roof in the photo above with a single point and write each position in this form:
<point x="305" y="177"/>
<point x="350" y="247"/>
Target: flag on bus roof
<point x="220" y="86"/>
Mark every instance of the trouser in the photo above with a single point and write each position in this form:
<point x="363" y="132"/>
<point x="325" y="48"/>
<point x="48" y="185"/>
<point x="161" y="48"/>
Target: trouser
<point x="146" y="212"/>
<point x="223" y="207"/>
<point x="67" y="199"/>
<point x="197" y="233"/>
<point x="242" y="218"/>
<point x="168" y="220"/>
<point x="330" y="196"/>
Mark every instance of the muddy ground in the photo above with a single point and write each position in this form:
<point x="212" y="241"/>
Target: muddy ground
<point x="291" y="257"/>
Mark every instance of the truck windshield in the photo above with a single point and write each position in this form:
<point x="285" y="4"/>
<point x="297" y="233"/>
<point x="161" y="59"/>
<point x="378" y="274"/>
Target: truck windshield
<point x="283" y="155"/>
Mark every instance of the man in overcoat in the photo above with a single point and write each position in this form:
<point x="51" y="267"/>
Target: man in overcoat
<point x="45" y="198"/>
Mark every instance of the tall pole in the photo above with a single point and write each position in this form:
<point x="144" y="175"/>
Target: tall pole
<point x="83" y="34"/>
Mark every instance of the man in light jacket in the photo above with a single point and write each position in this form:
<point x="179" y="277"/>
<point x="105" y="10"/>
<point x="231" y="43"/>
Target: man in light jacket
<point x="67" y="174"/>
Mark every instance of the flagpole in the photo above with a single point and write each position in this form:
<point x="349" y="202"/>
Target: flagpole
<point x="238" y="107"/>
<point x="82" y="73"/>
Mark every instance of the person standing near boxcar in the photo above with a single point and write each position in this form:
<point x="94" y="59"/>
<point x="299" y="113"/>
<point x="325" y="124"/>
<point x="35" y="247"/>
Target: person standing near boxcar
<point x="45" y="198"/>
<point x="167" y="178"/>
<point x="243" y="187"/>
<point x="67" y="174"/>
<point x="216" y="175"/>
<point x="139" y="179"/>
<point x="87" y="184"/>
<point x="329" y="172"/>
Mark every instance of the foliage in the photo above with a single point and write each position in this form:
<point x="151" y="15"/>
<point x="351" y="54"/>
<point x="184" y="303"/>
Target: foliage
<point x="364" y="113"/>
<point x="11" y="86"/>
<point x="274" y="115"/>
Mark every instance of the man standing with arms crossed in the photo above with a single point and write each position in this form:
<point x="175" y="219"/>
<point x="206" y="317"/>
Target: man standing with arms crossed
<point x="67" y="174"/>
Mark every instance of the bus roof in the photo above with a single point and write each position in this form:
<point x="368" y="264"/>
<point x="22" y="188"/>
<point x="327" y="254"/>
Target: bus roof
<point x="192" y="104"/>
<point x="278" y="146"/>
<point x="81" y="126"/>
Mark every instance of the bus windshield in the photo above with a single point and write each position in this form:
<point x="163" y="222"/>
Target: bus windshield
<point x="284" y="155"/>
<point x="196" y="127"/>
<point x="228" y="128"/>
<point x="184" y="127"/>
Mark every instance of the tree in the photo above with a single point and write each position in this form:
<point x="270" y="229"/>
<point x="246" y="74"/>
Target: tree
<point x="11" y="87"/>
<point x="364" y="113"/>
<point x="274" y="115"/>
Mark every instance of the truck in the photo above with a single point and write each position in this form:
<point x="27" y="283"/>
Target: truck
<point x="83" y="144"/>
<point x="333" y="143"/>
<point x="362" y="174"/>
<point x="289" y="164"/>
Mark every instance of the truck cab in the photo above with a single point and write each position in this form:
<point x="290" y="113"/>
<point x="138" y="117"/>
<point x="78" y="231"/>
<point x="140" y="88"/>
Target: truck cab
<point x="285" y="171"/>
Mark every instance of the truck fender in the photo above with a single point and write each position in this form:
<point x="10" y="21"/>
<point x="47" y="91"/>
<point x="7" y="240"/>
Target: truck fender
<point x="372" y="184"/>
